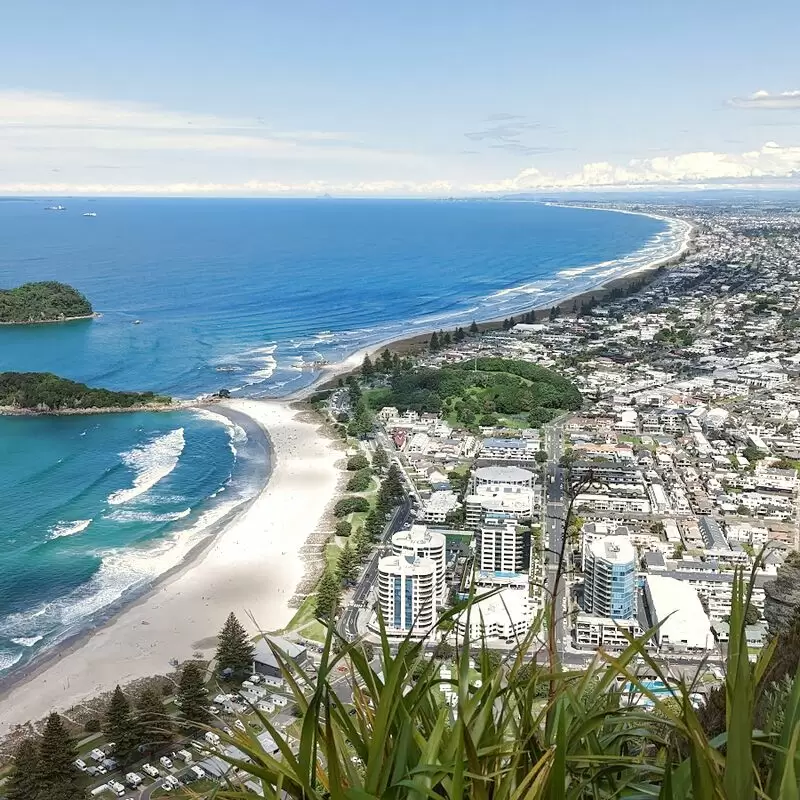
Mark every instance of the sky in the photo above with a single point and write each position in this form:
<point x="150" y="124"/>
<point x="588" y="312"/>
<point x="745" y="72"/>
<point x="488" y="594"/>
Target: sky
<point x="258" y="98"/>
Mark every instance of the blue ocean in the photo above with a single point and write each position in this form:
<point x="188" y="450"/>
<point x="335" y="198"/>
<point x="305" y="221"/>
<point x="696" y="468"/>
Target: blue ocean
<point x="199" y="295"/>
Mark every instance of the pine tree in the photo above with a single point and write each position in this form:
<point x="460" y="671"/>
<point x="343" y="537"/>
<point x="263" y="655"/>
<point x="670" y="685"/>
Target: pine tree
<point x="328" y="595"/>
<point x="361" y="543"/>
<point x="367" y="370"/>
<point x="445" y="339"/>
<point x="353" y="391"/>
<point x="118" y="725"/>
<point x="393" y="485"/>
<point x="153" y="723"/>
<point x="387" y="361"/>
<point x="434" y="343"/>
<point x="57" y="777"/>
<point x="234" y="650"/>
<point x="347" y="565"/>
<point x="192" y="694"/>
<point x="373" y="525"/>
<point x="380" y="460"/>
<point x="21" y="783"/>
<point x="473" y="328"/>
<point x="512" y="322"/>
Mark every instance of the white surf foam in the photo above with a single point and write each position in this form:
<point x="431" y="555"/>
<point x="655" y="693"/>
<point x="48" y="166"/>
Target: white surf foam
<point x="236" y="433"/>
<point x="69" y="528"/>
<point x="27" y="641"/>
<point x="8" y="660"/>
<point x="151" y="462"/>
<point x="146" y="516"/>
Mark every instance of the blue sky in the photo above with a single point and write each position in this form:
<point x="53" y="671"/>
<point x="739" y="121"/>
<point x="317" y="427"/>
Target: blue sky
<point x="395" y="98"/>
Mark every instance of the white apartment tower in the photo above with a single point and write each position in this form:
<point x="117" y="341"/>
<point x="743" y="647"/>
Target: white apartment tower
<point x="421" y="542"/>
<point x="407" y="594"/>
<point x="502" y="547"/>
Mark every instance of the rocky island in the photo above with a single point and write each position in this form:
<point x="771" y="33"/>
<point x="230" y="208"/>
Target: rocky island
<point x="45" y="393"/>
<point x="45" y="301"/>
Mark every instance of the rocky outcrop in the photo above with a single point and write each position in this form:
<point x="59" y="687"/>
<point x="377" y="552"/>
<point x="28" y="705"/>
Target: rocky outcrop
<point x="782" y="596"/>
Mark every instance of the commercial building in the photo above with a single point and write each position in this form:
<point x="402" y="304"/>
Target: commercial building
<point x="420" y="542"/>
<point x="676" y="608"/>
<point x="502" y="547"/>
<point x="610" y="573"/>
<point x="438" y="506"/>
<point x="407" y="594"/>
<point x="519" y="452"/>
<point x="593" y="632"/>
<point x="500" y="490"/>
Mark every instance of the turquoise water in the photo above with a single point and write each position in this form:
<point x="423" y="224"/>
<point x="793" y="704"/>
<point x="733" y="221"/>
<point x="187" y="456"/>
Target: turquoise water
<point x="234" y="294"/>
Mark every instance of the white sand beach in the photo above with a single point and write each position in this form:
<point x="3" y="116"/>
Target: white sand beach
<point x="252" y="568"/>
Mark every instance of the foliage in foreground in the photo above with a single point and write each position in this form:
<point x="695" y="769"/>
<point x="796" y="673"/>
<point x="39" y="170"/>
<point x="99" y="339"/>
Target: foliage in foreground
<point x="524" y="729"/>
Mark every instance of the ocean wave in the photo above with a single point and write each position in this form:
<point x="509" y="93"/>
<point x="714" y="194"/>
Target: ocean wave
<point x="7" y="660"/>
<point x="147" y="516"/>
<point x="236" y="433"/>
<point x="151" y="462"/>
<point x="27" y="641"/>
<point x="69" y="528"/>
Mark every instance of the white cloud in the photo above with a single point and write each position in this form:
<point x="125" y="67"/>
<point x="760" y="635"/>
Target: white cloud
<point x="770" y="162"/>
<point x="763" y="99"/>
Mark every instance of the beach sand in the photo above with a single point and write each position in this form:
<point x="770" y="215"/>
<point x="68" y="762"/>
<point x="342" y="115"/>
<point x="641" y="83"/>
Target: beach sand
<point x="252" y="568"/>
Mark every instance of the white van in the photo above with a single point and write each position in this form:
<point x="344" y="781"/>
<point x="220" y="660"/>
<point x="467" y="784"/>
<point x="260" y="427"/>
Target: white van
<point x="117" y="788"/>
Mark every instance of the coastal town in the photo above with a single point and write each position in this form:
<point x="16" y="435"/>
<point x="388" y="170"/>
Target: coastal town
<point x="598" y="472"/>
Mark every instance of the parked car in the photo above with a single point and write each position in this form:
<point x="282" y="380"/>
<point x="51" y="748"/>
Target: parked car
<point x="134" y="779"/>
<point x="97" y="754"/>
<point x="198" y="772"/>
<point x="165" y="762"/>
<point x="117" y="788"/>
<point x="150" y="770"/>
<point x="171" y="782"/>
<point x="80" y="764"/>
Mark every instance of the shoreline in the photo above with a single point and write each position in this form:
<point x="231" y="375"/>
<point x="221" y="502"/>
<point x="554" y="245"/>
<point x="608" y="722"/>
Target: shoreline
<point x="330" y="374"/>
<point x="93" y="315"/>
<point x="246" y="564"/>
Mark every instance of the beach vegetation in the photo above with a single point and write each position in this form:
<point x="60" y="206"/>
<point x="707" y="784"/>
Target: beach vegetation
<point x="373" y="525"/>
<point x="192" y="697"/>
<point x="235" y="651"/>
<point x="329" y="593"/>
<point x="473" y="328"/>
<point x="361" y="481"/>
<point x="367" y="368"/>
<point x="55" y="773"/>
<point x="433" y="344"/>
<point x="357" y="462"/>
<point x="361" y="420"/>
<point x="153" y="723"/>
<point x="45" y="301"/>
<point x="93" y="725"/>
<point x="118" y="725"/>
<point x="43" y="391"/>
<point x="350" y="505"/>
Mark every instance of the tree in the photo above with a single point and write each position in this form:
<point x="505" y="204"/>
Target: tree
<point x="347" y="565"/>
<point x="153" y="724"/>
<point x="118" y="725"/>
<point x="367" y="369"/>
<point x="392" y="484"/>
<point x="459" y="335"/>
<point x="350" y="505"/>
<point x="235" y="651"/>
<point x="361" y="423"/>
<point x="434" y="342"/>
<point x="373" y="525"/>
<point x="540" y="456"/>
<point x="353" y="391"/>
<point x="357" y="462"/>
<point x="380" y="461"/>
<point x="192" y="694"/>
<point x="360" y="482"/>
<point x="386" y="362"/>
<point x="361" y="543"/>
<point x="473" y="328"/>
<point x="444" y="651"/>
<point x="343" y="528"/>
<point x="21" y="782"/>
<point x="328" y="595"/>
<point x="57" y="777"/>
<point x="554" y="312"/>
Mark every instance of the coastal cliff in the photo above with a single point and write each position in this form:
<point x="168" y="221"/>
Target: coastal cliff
<point x="47" y="301"/>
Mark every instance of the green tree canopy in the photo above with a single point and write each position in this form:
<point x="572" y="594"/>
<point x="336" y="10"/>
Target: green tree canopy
<point x="192" y="694"/>
<point x="21" y="782"/>
<point x="357" y="462"/>
<point x="57" y="777"/>
<point x="235" y="651"/>
<point x="328" y="595"/>
<point x="46" y="301"/>
<point x="118" y="725"/>
<point x="380" y="461"/>
<point x="347" y="565"/>
<point x="153" y="723"/>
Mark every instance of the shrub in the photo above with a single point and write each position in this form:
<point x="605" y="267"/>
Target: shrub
<point x="360" y="482"/>
<point x="343" y="528"/>
<point x="357" y="462"/>
<point x="350" y="505"/>
<point x="92" y="725"/>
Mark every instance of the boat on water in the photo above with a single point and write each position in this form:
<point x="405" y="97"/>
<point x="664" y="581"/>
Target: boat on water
<point x="137" y="322"/>
<point x="56" y="208"/>
<point x="89" y="213"/>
